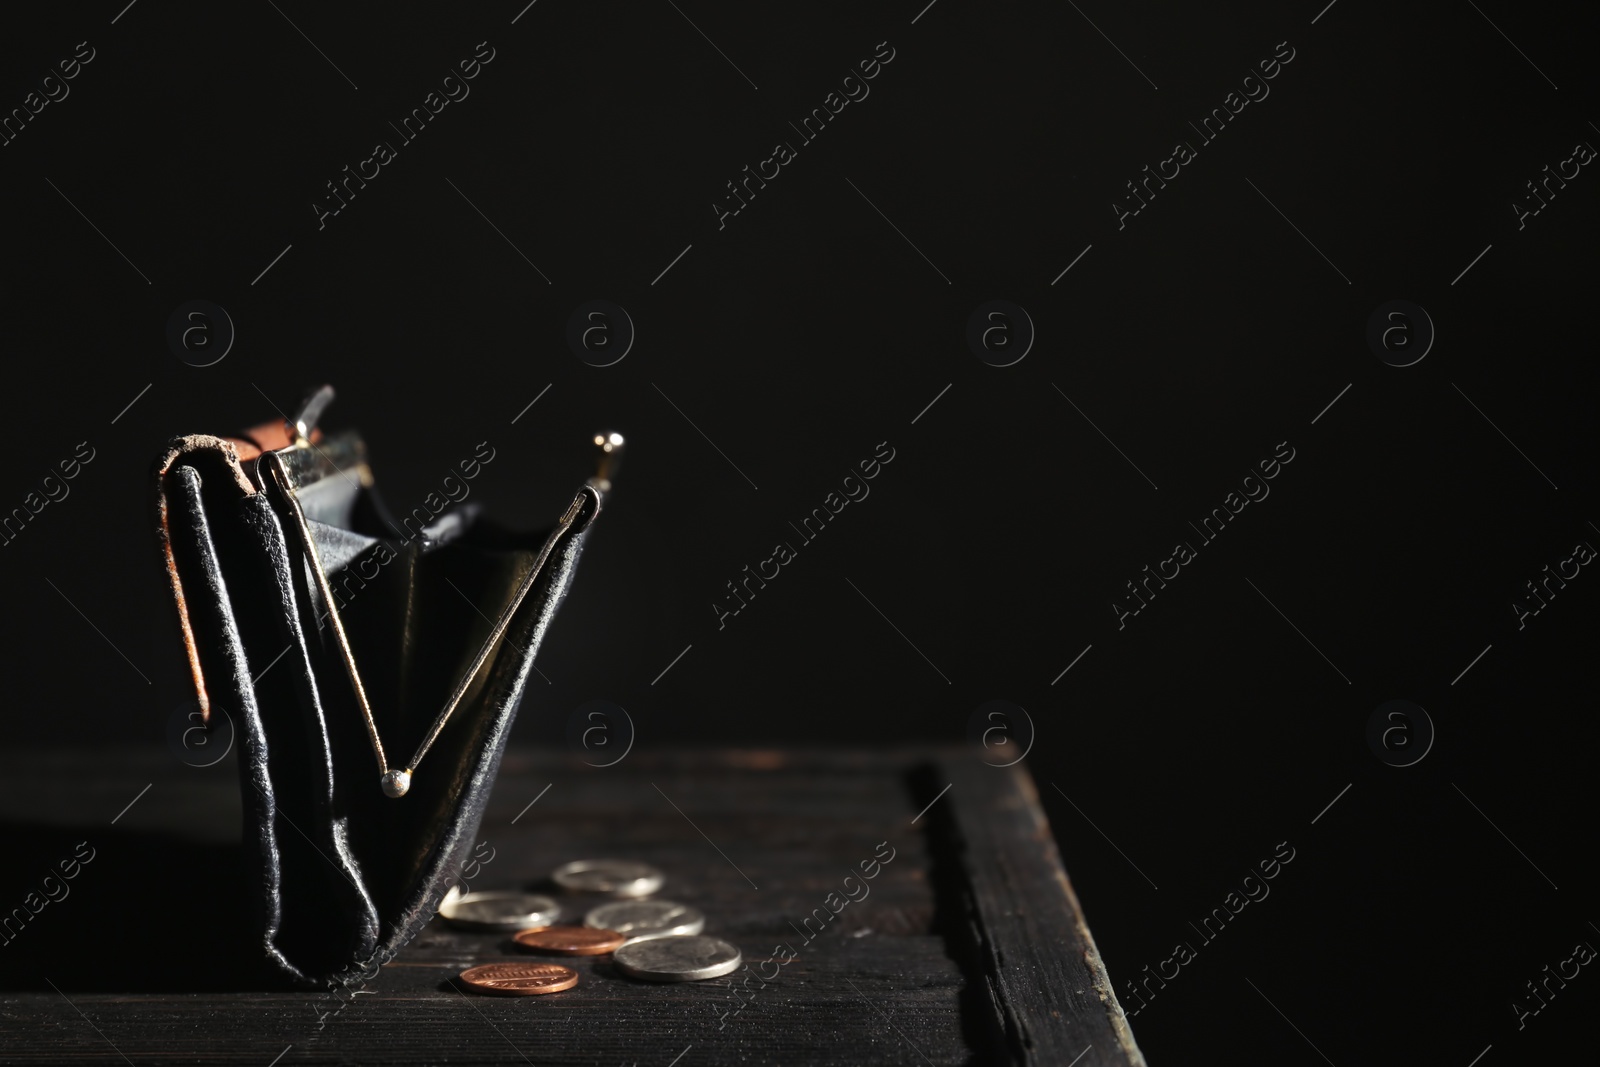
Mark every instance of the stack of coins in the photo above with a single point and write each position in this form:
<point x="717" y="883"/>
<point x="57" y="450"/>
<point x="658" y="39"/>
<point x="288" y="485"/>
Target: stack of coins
<point x="650" y="940"/>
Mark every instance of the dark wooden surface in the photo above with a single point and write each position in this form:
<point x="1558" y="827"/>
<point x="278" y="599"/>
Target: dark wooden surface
<point x="970" y="947"/>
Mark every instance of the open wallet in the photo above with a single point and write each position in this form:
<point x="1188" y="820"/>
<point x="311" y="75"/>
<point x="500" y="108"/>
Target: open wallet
<point x="371" y="669"/>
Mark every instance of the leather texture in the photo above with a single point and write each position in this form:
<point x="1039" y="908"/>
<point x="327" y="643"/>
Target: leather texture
<point x="345" y="875"/>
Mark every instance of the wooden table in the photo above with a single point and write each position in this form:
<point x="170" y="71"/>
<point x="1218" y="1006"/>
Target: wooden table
<point x="969" y="946"/>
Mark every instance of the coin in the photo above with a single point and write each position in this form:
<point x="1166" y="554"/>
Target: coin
<point x="638" y="919"/>
<point x="617" y="878"/>
<point x="570" y="940"/>
<point x="679" y="958"/>
<point x="520" y="979"/>
<point x="498" y="910"/>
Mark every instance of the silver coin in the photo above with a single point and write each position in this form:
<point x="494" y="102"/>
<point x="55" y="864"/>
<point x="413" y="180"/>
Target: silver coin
<point x="639" y="919"/>
<point x="617" y="878"/>
<point x="678" y="958"/>
<point x="498" y="910"/>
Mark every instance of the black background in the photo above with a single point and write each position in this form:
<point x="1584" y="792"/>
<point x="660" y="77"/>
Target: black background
<point x="807" y="331"/>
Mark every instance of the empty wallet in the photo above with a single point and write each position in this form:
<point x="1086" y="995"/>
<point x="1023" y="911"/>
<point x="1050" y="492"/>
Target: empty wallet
<point x="371" y="671"/>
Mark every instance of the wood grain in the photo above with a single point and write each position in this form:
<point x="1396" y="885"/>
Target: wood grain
<point x="967" y="947"/>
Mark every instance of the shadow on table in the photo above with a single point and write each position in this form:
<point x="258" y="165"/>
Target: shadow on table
<point x="140" y="912"/>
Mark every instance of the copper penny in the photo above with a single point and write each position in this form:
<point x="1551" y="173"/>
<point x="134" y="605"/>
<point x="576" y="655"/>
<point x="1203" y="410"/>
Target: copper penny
<point x="520" y="979"/>
<point x="571" y="940"/>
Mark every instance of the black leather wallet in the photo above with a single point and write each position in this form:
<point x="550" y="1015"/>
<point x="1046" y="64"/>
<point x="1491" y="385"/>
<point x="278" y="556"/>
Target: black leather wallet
<point x="371" y="669"/>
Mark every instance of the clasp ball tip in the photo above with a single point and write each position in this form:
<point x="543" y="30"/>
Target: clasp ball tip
<point x="396" y="783"/>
